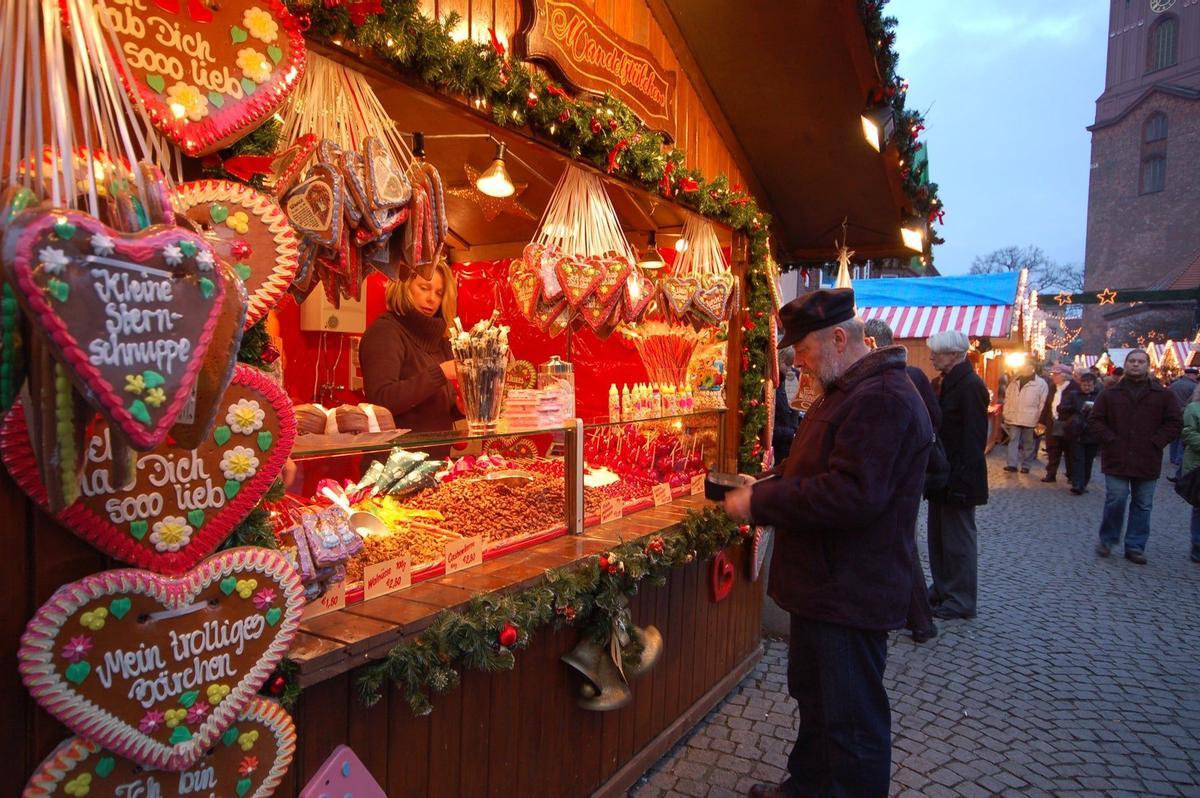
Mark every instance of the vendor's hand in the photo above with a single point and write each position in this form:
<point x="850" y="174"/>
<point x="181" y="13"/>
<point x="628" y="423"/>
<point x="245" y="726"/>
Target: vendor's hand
<point x="737" y="503"/>
<point x="449" y="371"/>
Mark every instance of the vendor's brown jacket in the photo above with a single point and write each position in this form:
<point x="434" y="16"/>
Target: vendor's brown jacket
<point x="846" y="501"/>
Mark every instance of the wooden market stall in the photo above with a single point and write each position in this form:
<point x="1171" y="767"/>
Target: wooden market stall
<point x="994" y="310"/>
<point x="523" y="720"/>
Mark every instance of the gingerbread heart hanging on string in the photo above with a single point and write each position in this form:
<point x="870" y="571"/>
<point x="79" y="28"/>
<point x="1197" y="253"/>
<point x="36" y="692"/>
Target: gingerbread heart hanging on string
<point x="249" y="231"/>
<point x="207" y="73"/>
<point x="130" y="316"/>
<point x="158" y="669"/>
<point x="183" y="503"/>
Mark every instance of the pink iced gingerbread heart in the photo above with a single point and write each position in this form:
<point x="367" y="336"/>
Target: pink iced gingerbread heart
<point x="156" y="669"/>
<point x="131" y="316"/>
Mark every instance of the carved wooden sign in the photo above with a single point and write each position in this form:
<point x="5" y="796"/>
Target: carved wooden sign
<point x="592" y="57"/>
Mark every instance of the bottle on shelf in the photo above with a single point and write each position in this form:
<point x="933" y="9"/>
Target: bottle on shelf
<point x="614" y="403"/>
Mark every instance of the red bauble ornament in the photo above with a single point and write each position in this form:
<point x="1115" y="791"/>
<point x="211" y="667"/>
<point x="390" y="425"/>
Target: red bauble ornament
<point x="270" y="354"/>
<point x="655" y="546"/>
<point x="508" y="635"/>
<point x="565" y="116"/>
<point x="613" y="124"/>
<point x="603" y="562"/>
<point x="277" y="684"/>
<point x="532" y="100"/>
<point x="744" y="530"/>
<point x="596" y="126"/>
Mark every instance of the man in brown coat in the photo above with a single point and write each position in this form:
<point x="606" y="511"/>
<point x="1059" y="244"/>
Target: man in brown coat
<point x="843" y="506"/>
<point x="1133" y="421"/>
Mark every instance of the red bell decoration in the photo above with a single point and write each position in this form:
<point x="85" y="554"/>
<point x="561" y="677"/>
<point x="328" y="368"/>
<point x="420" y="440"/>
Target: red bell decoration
<point x="508" y="635"/>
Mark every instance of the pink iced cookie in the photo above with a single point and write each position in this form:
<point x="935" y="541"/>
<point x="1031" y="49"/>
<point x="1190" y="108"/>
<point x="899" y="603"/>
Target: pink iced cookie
<point x="342" y="776"/>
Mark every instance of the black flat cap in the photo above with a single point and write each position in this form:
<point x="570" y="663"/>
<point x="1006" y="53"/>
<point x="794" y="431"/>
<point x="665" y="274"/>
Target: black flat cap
<point x="815" y="311"/>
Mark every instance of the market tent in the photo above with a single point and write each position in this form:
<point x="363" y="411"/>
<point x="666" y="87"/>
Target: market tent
<point x="981" y="305"/>
<point x="1086" y="361"/>
<point x="1117" y="356"/>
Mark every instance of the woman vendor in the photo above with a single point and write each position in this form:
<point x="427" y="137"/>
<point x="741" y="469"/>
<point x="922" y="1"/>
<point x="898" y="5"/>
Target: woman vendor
<point x="405" y="354"/>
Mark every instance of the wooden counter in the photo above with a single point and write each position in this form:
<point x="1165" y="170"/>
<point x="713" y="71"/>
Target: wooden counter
<point x="512" y="733"/>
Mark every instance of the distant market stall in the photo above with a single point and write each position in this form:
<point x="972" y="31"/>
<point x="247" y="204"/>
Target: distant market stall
<point x="995" y="310"/>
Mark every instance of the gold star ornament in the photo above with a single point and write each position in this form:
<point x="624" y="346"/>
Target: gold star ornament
<point x="1063" y="298"/>
<point x="489" y="206"/>
<point x="1107" y="296"/>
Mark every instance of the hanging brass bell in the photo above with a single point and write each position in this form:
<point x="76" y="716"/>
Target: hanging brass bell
<point x="603" y="688"/>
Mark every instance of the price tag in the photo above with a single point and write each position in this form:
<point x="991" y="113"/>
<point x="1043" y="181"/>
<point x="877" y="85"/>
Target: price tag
<point x="661" y="493"/>
<point x="697" y="484"/>
<point x="611" y="510"/>
<point x="463" y="554"/>
<point x="386" y="577"/>
<point x="332" y="600"/>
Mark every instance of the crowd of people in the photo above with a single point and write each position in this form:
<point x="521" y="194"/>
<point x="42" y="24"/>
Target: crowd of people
<point x="845" y="498"/>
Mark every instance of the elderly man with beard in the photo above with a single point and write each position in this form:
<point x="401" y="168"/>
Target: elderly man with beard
<point x="843" y="504"/>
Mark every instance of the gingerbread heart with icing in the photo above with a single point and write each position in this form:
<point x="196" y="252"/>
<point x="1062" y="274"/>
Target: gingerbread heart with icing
<point x="157" y="669"/>
<point x="387" y="184"/>
<point x="249" y="231"/>
<point x="287" y="164"/>
<point x="525" y="287"/>
<point x="207" y="73"/>
<point x="184" y="502"/>
<point x="131" y="316"/>
<point x="314" y="206"/>
<point x="638" y="292"/>
<point x="579" y="277"/>
<point x="679" y="292"/>
<point x="249" y="761"/>
<point x="713" y="299"/>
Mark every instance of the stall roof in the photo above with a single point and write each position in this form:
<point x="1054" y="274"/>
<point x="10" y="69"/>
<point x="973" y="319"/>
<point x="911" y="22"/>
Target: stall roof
<point x="792" y="79"/>
<point x="979" y="305"/>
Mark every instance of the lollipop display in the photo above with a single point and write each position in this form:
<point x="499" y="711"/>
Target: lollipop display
<point x="481" y="362"/>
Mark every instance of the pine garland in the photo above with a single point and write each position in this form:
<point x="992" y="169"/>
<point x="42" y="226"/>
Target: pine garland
<point x="588" y="596"/>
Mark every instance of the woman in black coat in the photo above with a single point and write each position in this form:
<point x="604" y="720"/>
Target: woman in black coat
<point x="953" y="546"/>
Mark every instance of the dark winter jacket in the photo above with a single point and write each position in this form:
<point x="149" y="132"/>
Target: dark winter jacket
<point x="401" y="357"/>
<point x="928" y="395"/>
<point x="964" y="432"/>
<point x="847" y="498"/>
<point x="1133" y="424"/>
<point x="1075" y="412"/>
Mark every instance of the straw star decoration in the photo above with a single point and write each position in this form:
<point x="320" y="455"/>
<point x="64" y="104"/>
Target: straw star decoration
<point x="1107" y="296"/>
<point x="491" y="207"/>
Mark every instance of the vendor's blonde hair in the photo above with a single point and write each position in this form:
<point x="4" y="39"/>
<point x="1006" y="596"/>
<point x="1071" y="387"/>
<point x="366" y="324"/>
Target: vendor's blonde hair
<point x="399" y="301"/>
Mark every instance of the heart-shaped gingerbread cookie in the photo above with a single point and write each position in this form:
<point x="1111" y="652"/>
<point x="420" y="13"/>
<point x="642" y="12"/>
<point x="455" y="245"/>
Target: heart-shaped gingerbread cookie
<point x="288" y="163"/>
<point x="207" y="73"/>
<point x="314" y="206"/>
<point x="249" y="761"/>
<point x="157" y="669"/>
<point x="131" y="316"/>
<point x="183" y="503"/>
<point x="579" y="277"/>
<point x="679" y="292"/>
<point x="249" y="231"/>
<point x="525" y="287"/>
<point x="387" y="184"/>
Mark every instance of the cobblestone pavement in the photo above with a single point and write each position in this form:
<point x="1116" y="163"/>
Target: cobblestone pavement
<point x="1080" y="676"/>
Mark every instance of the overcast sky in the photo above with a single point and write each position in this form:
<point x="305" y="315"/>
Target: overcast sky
<point x="1010" y="86"/>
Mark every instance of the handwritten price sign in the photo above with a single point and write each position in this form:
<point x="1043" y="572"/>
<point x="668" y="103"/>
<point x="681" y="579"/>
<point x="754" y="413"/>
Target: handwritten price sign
<point x="463" y="554"/>
<point x="386" y="577"/>
<point x="697" y="485"/>
<point x="610" y="510"/>
<point x="333" y="600"/>
<point x="661" y="494"/>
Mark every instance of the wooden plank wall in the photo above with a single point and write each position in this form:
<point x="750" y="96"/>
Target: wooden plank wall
<point x="695" y="132"/>
<point x="520" y="732"/>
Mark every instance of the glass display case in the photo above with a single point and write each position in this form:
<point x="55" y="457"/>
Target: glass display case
<point x="371" y="514"/>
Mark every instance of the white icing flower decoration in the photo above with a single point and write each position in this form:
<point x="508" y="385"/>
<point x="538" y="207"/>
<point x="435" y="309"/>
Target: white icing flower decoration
<point x="204" y="259"/>
<point x="260" y="24"/>
<point x="239" y="463"/>
<point x="172" y="254"/>
<point x="254" y="64"/>
<point x="103" y="245"/>
<point x="245" y="416"/>
<point x="171" y="534"/>
<point x="53" y="260"/>
<point x="185" y="99"/>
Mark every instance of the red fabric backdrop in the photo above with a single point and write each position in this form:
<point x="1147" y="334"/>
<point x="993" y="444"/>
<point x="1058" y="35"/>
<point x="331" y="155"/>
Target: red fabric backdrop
<point x="482" y="286"/>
